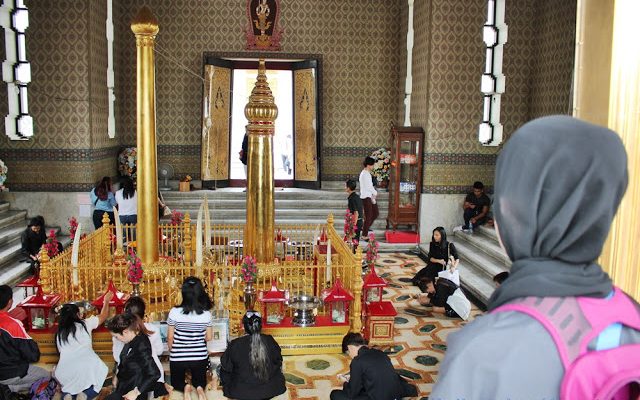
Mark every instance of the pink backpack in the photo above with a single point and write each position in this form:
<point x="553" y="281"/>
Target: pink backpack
<point x="612" y="373"/>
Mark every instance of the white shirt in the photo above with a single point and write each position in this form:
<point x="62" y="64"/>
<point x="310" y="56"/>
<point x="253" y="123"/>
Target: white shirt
<point x="189" y="336"/>
<point x="366" y="185"/>
<point x="80" y="367"/>
<point x="156" y="347"/>
<point x="127" y="206"/>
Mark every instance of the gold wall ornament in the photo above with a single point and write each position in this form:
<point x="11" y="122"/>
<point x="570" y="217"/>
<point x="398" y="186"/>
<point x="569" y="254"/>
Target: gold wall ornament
<point x="262" y="31"/>
<point x="215" y="123"/>
<point x="261" y="111"/>
<point x="145" y="28"/>
<point x="306" y="161"/>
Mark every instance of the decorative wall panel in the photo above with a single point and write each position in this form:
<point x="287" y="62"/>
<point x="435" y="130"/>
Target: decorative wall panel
<point x="552" y="72"/>
<point x="304" y="106"/>
<point x="215" y="124"/>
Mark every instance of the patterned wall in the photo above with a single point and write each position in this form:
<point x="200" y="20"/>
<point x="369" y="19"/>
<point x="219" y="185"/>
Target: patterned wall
<point x="358" y="40"/>
<point x="69" y="149"/>
<point x="552" y="70"/>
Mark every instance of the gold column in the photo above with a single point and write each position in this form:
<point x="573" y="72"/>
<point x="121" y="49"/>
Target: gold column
<point x="609" y="94"/>
<point x="145" y="27"/>
<point x="261" y="112"/>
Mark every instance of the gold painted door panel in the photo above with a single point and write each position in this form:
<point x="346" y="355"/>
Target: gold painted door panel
<point x="306" y="138"/>
<point x="215" y="124"/>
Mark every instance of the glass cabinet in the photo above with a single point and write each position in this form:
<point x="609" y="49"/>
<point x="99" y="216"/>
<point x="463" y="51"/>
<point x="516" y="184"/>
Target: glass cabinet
<point x="405" y="177"/>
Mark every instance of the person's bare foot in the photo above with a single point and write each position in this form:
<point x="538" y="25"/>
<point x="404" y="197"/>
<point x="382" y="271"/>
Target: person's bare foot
<point x="169" y="390"/>
<point x="201" y="394"/>
<point x="187" y="392"/>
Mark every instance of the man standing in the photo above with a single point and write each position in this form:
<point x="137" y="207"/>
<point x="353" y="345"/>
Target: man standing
<point x="476" y="208"/>
<point x="356" y="208"/>
<point x="17" y="349"/>
<point x="371" y="374"/>
<point x="368" y="195"/>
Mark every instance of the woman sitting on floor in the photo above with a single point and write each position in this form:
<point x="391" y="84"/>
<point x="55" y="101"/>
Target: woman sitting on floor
<point x="190" y="328"/>
<point x="251" y="367"/>
<point x="80" y="371"/>
<point x="135" y="305"/>
<point x="440" y="252"/>
<point x="137" y="373"/>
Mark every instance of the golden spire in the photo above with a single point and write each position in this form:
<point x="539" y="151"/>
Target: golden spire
<point x="261" y="111"/>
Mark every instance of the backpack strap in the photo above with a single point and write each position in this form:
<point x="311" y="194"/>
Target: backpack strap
<point x="561" y="317"/>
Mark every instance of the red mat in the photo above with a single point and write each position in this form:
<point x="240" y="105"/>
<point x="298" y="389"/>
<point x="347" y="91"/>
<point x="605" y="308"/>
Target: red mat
<point x="402" y="237"/>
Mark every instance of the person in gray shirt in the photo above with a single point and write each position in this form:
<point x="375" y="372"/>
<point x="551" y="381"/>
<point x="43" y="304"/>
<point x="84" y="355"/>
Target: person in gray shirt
<point x="558" y="184"/>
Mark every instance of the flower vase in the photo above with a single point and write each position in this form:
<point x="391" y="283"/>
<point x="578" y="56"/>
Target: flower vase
<point x="136" y="290"/>
<point x="249" y="296"/>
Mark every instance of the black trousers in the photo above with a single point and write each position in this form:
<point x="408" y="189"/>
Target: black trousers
<point x="370" y="214"/>
<point x="198" y="373"/>
<point x="340" y="395"/>
<point x="470" y="213"/>
<point x="97" y="218"/>
<point x="430" y="272"/>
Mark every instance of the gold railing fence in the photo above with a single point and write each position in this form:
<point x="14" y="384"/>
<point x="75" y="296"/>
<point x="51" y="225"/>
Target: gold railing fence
<point x="295" y="271"/>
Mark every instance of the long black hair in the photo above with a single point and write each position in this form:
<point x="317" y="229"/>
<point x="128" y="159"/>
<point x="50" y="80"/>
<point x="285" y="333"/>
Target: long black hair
<point x="443" y="237"/>
<point x="129" y="321"/>
<point x="67" y="320"/>
<point x="258" y="356"/>
<point x="128" y="189"/>
<point x="194" y="297"/>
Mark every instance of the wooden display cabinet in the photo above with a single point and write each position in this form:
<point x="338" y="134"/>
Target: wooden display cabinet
<point x="405" y="177"/>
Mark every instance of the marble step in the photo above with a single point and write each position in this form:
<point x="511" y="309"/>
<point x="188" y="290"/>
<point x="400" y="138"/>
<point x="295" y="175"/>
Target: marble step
<point x="12" y="231"/>
<point x="479" y="261"/>
<point x="485" y="244"/>
<point x="4" y="206"/>
<point x="226" y="204"/>
<point x="12" y="248"/>
<point x="379" y="225"/>
<point x="15" y="270"/>
<point x="237" y="193"/>
<point x="299" y="214"/>
<point x="10" y="216"/>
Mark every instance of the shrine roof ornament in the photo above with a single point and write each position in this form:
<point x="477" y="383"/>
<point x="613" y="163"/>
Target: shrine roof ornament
<point x="262" y="31"/>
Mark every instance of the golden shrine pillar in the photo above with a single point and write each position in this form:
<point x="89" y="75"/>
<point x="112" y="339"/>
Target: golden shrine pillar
<point x="145" y="27"/>
<point x="261" y="111"/>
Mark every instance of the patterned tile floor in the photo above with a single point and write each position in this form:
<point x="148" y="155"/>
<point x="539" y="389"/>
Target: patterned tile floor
<point x="420" y="340"/>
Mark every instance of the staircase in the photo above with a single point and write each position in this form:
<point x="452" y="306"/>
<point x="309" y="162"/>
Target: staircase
<point x="481" y="258"/>
<point x="292" y="206"/>
<point x="12" y="224"/>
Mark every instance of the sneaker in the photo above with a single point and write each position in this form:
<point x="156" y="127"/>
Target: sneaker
<point x="81" y="396"/>
<point x="458" y="228"/>
<point x="468" y="230"/>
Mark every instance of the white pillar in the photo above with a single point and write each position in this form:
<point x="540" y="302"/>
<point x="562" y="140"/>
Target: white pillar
<point x="111" y="121"/>
<point x="408" y="84"/>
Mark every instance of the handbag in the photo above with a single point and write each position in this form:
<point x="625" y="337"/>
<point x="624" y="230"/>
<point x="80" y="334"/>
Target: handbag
<point x="166" y="211"/>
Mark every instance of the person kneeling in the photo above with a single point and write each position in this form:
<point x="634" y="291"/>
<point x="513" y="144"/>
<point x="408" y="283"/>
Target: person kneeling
<point x="251" y="367"/>
<point x="371" y="374"/>
<point x="137" y="371"/>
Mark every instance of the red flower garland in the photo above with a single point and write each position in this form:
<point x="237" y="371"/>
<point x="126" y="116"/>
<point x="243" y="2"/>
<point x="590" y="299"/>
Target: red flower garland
<point x="134" y="267"/>
<point x="52" y="244"/>
<point x="249" y="269"/>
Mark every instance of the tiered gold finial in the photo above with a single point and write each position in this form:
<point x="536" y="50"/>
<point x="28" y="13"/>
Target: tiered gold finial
<point x="261" y="111"/>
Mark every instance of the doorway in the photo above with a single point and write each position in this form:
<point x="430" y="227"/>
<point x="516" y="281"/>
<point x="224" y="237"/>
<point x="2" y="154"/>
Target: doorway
<point x="298" y="129"/>
<point x="281" y="84"/>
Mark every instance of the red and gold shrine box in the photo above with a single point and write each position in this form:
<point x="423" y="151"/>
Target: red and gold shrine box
<point x="379" y="322"/>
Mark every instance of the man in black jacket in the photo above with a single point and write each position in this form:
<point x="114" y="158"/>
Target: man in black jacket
<point x="17" y="349"/>
<point x="371" y="374"/>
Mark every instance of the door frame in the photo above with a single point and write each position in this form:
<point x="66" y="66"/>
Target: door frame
<point x="278" y="61"/>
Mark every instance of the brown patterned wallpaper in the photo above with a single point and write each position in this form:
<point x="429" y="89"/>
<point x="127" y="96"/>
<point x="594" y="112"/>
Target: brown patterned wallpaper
<point x="363" y="45"/>
<point x="66" y="46"/>
<point x="552" y="71"/>
<point x="358" y="40"/>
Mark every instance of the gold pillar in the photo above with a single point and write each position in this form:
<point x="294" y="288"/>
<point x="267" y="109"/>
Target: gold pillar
<point x="607" y="93"/>
<point x="261" y="112"/>
<point x="145" y="27"/>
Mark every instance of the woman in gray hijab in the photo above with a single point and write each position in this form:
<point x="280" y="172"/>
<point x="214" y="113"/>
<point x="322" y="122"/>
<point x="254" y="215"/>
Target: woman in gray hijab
<point x="558" y="184"/>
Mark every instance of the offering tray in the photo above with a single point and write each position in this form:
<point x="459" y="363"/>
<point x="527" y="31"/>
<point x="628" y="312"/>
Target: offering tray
<point x="304" y="307"/>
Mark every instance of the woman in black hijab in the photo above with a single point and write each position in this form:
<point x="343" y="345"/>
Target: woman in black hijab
<point x="440" y="253"/>
<point x="558" y="184"/>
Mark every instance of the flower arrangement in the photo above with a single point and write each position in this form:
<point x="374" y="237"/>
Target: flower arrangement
<point x="176" y="217"/>
<point x="382" y="163"/>
<point x="249" y="269"/>
<point x="3" y="174"/>
<point x="134" y="267"/>
<point x="51" y="244"/>
<point x="127" y="162"/>
<point x="73" y="227"/>
<point x="372" y="250"/>
<point x="349" y="228"/>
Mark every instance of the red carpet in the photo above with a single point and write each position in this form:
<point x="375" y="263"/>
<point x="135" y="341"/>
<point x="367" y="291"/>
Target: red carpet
<point x="402" y="237"/>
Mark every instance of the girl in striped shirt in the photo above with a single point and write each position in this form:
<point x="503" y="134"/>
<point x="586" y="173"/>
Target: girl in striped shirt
<point x="190" y="328"/>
